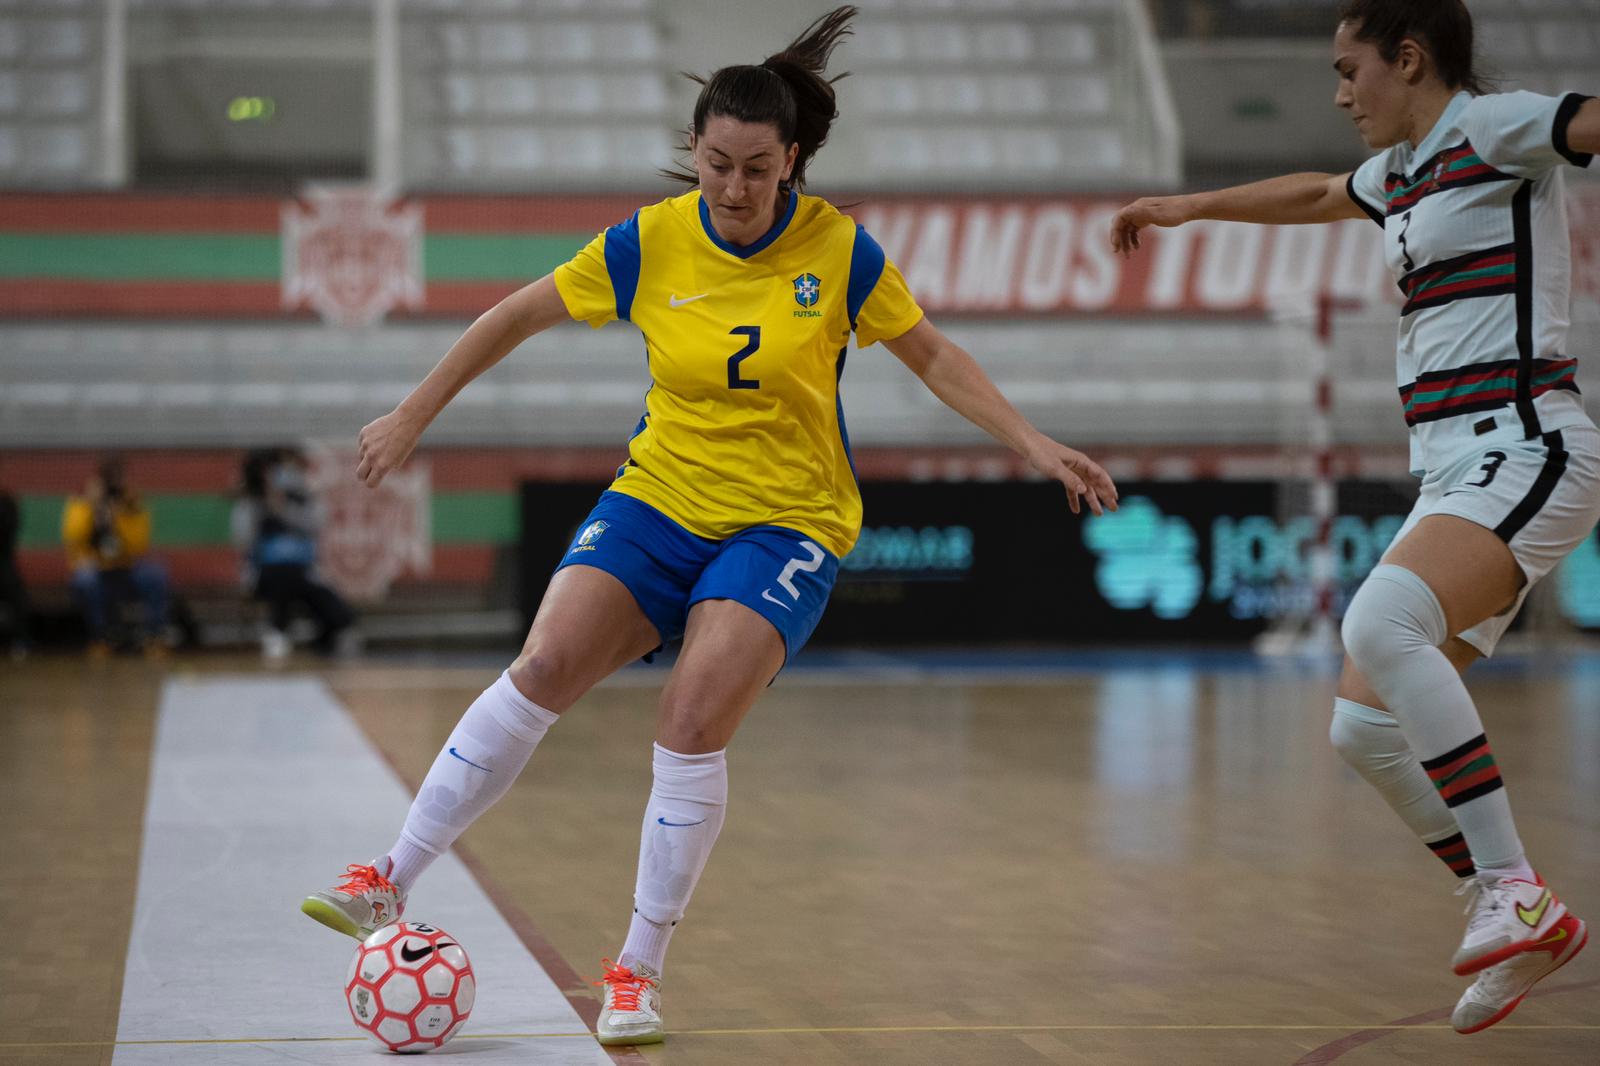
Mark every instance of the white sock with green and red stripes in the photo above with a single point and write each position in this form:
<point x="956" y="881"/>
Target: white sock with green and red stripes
<point x="1369" y="739"/>
<point x="1392" y="631"/>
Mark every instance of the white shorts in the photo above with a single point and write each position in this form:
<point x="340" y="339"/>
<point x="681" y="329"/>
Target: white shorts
<point x="1542" y="497"/>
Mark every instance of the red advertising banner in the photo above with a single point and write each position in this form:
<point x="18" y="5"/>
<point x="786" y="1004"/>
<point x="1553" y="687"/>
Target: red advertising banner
<point x="1053" y="257"/>
<point x="73" y="255"/>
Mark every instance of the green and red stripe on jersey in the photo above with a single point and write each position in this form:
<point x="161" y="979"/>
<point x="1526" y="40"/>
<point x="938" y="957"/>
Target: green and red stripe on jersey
<point x="1490" y="272"/>
<point x="1450" y="169"/>
<point x="1482" y="387"/>
<point x="1464" y="773"/>
<point x="1454" y="853"/>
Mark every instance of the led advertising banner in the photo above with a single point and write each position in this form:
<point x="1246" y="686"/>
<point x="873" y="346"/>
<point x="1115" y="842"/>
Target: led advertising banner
<point x="1007" y="562"/>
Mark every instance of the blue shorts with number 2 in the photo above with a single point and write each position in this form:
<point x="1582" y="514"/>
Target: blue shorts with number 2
<point x="782" y="575"/>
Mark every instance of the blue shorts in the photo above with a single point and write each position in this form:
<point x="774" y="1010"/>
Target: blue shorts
<point x="782" y="575"/>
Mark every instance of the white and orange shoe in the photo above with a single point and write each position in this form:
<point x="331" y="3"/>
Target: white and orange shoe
<point x="1499" y="989"/>
<point x="364" y="902"/>
<point x="631" y="1013"/>
<point x="1505" y="917"/>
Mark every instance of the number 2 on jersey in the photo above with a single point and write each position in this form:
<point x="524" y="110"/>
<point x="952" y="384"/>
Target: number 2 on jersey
<point x="752" y="335"/>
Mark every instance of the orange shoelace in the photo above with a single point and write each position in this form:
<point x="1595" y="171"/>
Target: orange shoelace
<point x="364" y="879"/>
<point x="626" y="986"/>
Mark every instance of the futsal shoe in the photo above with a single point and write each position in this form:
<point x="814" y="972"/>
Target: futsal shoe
<point x="364" y="902"/>
<point x="1505" y="916"/>
<point x="631" y="1013"/>
<point x="1499" y="989"/>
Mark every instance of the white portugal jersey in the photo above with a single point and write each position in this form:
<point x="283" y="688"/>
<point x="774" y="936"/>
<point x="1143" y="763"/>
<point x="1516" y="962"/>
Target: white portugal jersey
<point x="1475" y="232"/>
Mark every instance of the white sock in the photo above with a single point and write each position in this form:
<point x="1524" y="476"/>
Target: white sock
<point x="486" y="751"/>
<point x="646" y="944"/>
<point x="1393" y="630"/>
<point x="1370" y="740"/>
<point x="681" y="823"/>
<point x="406" y="862"/>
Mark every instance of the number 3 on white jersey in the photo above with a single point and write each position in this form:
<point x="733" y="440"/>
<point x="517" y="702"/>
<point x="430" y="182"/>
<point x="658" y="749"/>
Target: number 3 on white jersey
<point x="809" y="566"/>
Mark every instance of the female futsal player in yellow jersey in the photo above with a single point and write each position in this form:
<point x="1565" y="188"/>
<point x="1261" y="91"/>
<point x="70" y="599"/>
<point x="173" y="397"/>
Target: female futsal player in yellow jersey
<point x="727" y="521"/>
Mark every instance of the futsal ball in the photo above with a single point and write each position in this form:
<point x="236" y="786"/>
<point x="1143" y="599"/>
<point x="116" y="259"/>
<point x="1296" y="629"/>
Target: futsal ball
<point x="410" y="987"/>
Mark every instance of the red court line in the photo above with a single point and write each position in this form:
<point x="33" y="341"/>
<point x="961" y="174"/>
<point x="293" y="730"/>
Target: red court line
<point x="1331" y="1051"/>
<point x="559" y="970"/>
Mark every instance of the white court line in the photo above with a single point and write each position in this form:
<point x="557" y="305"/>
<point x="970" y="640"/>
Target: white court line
<point x="260" y="791"/>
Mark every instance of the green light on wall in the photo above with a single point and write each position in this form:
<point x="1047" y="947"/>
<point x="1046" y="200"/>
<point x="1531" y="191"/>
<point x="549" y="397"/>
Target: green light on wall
<point x="251" y="109"/>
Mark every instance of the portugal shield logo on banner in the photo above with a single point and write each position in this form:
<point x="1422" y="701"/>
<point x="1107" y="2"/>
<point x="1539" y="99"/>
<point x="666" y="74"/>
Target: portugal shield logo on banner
<point x="371" y="536"/>
<point x="352" y="255"/>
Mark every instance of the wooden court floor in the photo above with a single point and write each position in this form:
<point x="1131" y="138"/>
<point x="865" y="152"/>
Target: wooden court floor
<point x="1149" y="863"/>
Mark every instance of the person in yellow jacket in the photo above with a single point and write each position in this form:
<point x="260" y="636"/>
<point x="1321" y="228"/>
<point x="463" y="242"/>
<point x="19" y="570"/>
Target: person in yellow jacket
<point x="106" y="531"/>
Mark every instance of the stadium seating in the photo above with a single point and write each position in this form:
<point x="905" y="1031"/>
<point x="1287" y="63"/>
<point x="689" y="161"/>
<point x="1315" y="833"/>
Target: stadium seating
<point x="51" y="65"/>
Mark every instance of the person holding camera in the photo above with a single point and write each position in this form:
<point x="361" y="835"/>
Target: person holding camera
<point x="106" y="531"/>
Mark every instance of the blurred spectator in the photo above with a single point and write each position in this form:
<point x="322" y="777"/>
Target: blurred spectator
<point x="107" y="535"/>
<point x="275" y="524"/>
<point x="13" y="597"/>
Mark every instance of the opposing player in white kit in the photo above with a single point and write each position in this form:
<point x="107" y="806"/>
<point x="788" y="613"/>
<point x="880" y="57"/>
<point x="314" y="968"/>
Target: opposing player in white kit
<point x="1468" y="190"/>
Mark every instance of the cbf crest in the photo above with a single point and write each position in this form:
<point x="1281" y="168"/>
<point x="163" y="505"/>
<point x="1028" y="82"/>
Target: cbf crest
<point x="590" y="534"/>
<point x="352" y="255"/>
<point x="807" y="290"/>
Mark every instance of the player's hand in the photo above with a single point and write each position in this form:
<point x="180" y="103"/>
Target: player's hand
<point x="1081" y="475"/>
<point x="383" y="445"/>
<point x="1147" y="211"/>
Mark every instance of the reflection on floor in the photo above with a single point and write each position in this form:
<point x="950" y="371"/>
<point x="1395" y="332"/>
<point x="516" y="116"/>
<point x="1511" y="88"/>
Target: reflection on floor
<point x="1094" y="858"/>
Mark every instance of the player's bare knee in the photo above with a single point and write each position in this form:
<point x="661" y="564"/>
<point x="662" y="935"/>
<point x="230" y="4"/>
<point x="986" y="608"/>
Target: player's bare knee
<point x="681" y="729"/>
<point x="544" y="678"/>
<point x="689" y="738"/>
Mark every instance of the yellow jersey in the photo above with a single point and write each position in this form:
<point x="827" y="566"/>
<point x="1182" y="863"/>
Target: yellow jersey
<point x="743" y="425"/>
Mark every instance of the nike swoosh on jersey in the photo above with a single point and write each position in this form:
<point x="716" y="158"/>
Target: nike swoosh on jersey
<point x="676" y="302"/>
<point x="766" y="594"/>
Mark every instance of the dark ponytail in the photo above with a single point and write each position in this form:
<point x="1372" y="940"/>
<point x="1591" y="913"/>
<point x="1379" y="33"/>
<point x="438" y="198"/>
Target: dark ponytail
<point x="787" y="90"/>
<point x="1443" y="27"/>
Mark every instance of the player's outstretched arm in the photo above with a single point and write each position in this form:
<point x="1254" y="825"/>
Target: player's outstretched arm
<point x="1293" y="198"/>
<point x="386" y="442"/>
<point x="956" y="378"/>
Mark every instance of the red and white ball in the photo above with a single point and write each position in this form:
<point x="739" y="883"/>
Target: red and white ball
<point x="410" y="987"/>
